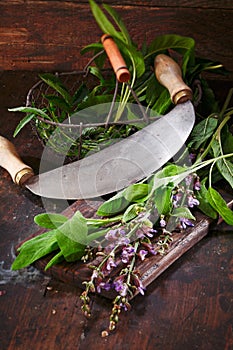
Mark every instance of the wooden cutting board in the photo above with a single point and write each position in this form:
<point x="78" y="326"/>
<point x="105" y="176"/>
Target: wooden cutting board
<point x="149" y="269"/>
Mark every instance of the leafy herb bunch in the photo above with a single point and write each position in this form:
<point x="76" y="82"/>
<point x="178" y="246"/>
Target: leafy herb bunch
<point x="140" y="220"/>
<point x="59" y="99"/>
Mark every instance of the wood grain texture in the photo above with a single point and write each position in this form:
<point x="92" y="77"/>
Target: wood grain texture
<point x="48" y="35"/>
<point x="188" y="307"/>
<point x="220" y="4"/>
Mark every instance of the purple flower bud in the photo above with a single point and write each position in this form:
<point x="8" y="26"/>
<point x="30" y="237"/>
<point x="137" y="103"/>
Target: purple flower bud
<point x="142" y="254"/>
<point x="188" y="180"/>
<point x="127" y="252"/>
<point x="149" y="247"/>
<point x="138" y="283"/>
<point x="112" y="235"/>
<point x="103" y="285"/>
<point x="110" y="264"/>
<point x="120" y="286"/>
<point x="197" y="185"/>
<point x="185" y="222"/>
<point x="192" y="201"/>
<point x="162" y="222"/>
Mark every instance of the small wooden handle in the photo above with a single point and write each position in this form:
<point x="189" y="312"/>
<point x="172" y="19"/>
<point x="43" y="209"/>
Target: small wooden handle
<point x="10" y="160"/>
<point x="169" y="75"/>
<point x="115" y="58"/>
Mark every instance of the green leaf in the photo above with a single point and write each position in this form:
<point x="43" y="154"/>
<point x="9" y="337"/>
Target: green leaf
<point x="182" y="44"/>
<point x="97" y="47"/>
<point x="162" y="103"/>
<point x="113" y="206"/>
<point x="58" y="101"/>
<point x="80" y="94"/>
<point x="119" y="22"/>
<point x="33" y="110"/>
<point x="136" y="192"/>
<point x="170" y="170"/>
<point x="162" y="198"/>
<point x="183" y="212"/>
<point x="58" y="258"/>
<point x="23" y="122"/>
<point x="227" y="141"/>
<point x="130" y="213"/>
<point x="34" y="249"/>
<point x="202" y="131"/>
<point x="50" y="220"/>
<point x="204" y="205"/>
<point x="104" y="24"/>
<point x="55" y="83"/>
<point x="219" y="204"/>
<point x="225" y="167"/>
<point x="72" y="237"/>
<point x="132" y="56"/>
<point x="93" y="100"/>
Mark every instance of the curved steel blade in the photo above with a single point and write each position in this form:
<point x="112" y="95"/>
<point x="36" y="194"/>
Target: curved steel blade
<point x="122" y="163"/>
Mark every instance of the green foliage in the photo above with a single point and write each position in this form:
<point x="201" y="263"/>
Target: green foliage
<point x="211" y="141"/>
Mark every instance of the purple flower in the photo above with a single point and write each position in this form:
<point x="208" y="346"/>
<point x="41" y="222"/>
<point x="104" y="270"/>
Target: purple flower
<point x="185" y="222"/>
<point x="112" y="235"/>
<point x="110" y="264"/>
<point x="192" y="156"/>
<point x="103" y="285"/>
<point x="123" y="241"/>
<point x="120" y="286"/>
<point x="176" y="198"/>
<point x="149" y="247"/>
<point x="162" y="222"/>
<point x="144" y="231"/>
<point x="192" y="201"/>
<point x="197" y="185"/>
<point x="142" y="254"/>
<point x="138" y="284"/>
<point x="189" y="179"/>
<point x="126" y="253"/>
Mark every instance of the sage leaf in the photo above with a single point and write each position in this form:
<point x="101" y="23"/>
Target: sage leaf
<point x="130" y="213"/>
<point x="162" y="198"/>
<point x="136" y="192"/>
<point x="72" y="237"/>
<point x="204" y="205"/>
<point x="58" y="258"/>
<point x="225" y="167"/>
<point x="34" y="249"/>
<point x="113" y="206"/>
<point x="219" y="204"/>
<point x="50" y="220"/>
<point x="183" y="212"/>
<point x="202" y="131"/>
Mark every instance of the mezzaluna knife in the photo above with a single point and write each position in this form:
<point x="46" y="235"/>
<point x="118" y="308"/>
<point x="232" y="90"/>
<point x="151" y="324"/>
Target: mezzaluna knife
<point x="121" y="164"/>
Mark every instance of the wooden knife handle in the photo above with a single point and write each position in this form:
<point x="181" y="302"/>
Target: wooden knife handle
<point x="115" y="58"/>
<point x="10" y="160"/>
<point x="169" y="74"/>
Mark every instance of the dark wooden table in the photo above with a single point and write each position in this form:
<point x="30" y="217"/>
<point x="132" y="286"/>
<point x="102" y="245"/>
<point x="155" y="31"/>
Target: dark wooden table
<point x="190" y="306"/>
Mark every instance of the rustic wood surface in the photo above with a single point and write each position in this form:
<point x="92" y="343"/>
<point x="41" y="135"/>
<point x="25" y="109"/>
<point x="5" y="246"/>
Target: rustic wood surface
<point x="190" y="306"/>
<point x="48" y="35"/>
